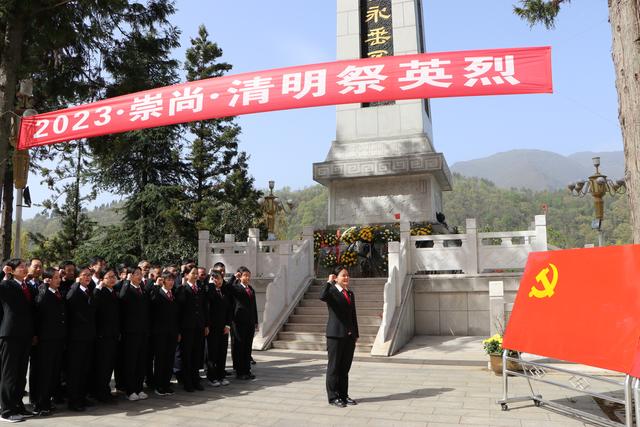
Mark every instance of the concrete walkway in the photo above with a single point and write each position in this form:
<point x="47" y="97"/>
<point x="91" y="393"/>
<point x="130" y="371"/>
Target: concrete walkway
<point x="444" y="384"/>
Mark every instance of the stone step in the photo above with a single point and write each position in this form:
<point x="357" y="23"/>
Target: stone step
<point x="318" y="337"/>
<point x="359" y="304"/>
<point x="303" y="345"/>
<point x="367" y="281"/>
<point x="322" y="327"/>
<point x="315" y="319"/>
<point x="359" y="297"/>
<point x="323" y="310"/>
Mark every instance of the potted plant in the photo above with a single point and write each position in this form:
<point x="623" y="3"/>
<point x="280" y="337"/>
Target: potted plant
<point x="493" y="347"/>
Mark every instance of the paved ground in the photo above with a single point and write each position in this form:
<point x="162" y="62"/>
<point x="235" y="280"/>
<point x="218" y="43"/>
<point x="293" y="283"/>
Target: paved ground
<point x="437" y="388"/>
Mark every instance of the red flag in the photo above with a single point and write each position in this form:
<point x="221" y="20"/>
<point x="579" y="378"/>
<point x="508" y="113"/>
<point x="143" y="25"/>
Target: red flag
<point x="580" y="305"/>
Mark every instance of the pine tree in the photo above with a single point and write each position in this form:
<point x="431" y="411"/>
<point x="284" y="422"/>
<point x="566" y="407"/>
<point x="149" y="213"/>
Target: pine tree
<point x="145" y="162"/>
<point x="213" y="150"/>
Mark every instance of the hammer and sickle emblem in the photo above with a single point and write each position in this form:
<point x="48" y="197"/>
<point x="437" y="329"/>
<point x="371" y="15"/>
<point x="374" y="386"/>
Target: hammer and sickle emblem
<point x="543" y="279"/>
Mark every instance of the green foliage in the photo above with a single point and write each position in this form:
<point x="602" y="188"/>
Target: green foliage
<point x="539" y="11"/>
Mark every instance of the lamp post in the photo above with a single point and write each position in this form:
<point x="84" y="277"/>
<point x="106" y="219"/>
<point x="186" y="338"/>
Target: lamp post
<point x="598" y="186"/>
<point x="271" y="207"/>
<point x="21" y="157"/>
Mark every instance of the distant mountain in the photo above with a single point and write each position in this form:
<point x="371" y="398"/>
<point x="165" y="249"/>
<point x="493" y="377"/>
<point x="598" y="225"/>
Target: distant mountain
<point x="539" y="170"/>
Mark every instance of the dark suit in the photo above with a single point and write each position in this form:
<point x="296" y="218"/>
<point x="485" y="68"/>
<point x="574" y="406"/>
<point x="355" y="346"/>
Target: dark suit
<point x="135" y="336"/>
<point x="107" y="338"/>
<point x="220" y="316"/>
<point x="46" y="359"/>
<point x="342" y="333"/>
<point x="81" y="339"/>
<point x="245" y="319"/>
<point x="16" y="335"/>
<point x="193" y="320"/>
<point x="164" y="336"/>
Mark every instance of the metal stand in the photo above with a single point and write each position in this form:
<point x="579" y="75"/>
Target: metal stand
<point x="534" y="371"/>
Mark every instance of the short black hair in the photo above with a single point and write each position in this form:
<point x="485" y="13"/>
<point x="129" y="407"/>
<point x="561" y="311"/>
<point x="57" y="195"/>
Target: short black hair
<point x="216" y="274"/>
<point x="67" y="262"/>
<point x="243" y="269"/>
<point x="219" y="265"/>
<point x="48" y="273"/>
<point x="338" y="268"/>
<point x="168" y="275"/>
<point x="13" y="263"/>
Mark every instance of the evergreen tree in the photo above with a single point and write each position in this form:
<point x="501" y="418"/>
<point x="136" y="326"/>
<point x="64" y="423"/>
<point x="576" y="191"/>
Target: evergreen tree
<point x="214" y="147"/>
<point x="143" y="163"/>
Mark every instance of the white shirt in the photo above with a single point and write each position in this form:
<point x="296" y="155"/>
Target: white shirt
<point x="83" y="289"/>
<point x="53" y="291"/>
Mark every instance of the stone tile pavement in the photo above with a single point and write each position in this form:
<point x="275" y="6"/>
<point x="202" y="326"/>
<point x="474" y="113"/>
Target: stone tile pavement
<point x="405" y="390"/>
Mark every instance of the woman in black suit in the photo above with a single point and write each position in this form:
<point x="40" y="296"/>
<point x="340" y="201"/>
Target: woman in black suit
<point x="342" y="335"/>
<point x="164" y="333"/>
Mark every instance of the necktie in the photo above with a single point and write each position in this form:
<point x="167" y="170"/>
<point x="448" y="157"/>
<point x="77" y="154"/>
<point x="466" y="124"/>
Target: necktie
<point x="346" y="295"/>
<point x="26" y="292"/>
<point x="57" y="294"/>
<point x="194" y="288"/>
<point x="170" y="296"/>
<point x="138" y="290"/>
<point x="248" y="290"/>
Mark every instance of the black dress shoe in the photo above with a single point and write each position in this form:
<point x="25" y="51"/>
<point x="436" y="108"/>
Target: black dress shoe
<point x="243" y="377"/>
<point x="26" y="413"/>
<point x="338" y="402"/>
<point x="349" y="401"/>
<point x="198" y="386"/>
<point x="43" y="413"/>
<point x="189" y="389"/>
<point x="77" y="408"/>
<point x="251" y="376"/>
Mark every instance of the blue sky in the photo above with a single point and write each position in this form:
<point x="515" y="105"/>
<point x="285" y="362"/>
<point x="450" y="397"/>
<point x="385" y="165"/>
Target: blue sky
<point x="581" y="114"/>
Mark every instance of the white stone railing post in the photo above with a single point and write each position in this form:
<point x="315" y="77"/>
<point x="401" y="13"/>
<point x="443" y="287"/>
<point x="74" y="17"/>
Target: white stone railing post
<point x="404" y="257"/>
<point x="252" y="251"/>
<point x="472" y="244"/>
<point x="540" y="243"/>
<point x="284" y="255"/>
<point x="391" y="291"/>
<point x="307" y="234"/>
<point x="496" y="308"/>
<point x="203" y="249"/>
<point x="229" y="238"/>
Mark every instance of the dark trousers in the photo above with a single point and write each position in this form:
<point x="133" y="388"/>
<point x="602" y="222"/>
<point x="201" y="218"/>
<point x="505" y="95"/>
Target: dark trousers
<point x="79" y="361"/>
<point x="133" y="366"/>
<point x="217" y="344"/>
<point x="14" y="359"/>
<point x="340" y="355"/>
<point x="44" y="372"/>
<point x="242" y="341"/>
<point x="118" y="369"/>
<point x="148" y="367"/>
<point x="105" y="361"/>
<point x="164" y="350"/>
<point x="192" y="353"/>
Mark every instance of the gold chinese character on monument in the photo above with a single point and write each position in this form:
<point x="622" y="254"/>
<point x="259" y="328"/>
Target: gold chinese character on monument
<point x="378" y="53"/>
<point x="378" y="36"/>
<point x="374" y="13"/>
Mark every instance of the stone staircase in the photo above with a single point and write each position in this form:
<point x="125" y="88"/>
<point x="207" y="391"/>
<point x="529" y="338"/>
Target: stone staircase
<point x="305" y="329"/>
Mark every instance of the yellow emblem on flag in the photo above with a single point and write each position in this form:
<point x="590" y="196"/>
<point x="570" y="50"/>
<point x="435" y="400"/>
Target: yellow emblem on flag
<point x="543" y="279"/>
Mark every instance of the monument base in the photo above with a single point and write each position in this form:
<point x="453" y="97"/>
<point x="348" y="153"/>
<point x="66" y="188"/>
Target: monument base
<point x="367" y="191"/>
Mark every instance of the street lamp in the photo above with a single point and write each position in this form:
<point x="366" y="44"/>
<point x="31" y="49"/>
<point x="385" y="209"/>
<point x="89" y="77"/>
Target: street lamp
<point x="271" y="207"/>
<point x="597" y="185"/>
<point x="21" y="157"/>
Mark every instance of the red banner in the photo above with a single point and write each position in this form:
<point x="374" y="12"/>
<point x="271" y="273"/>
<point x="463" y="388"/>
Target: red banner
<point x="582" y="306"/>
<point x="434" y="75"/>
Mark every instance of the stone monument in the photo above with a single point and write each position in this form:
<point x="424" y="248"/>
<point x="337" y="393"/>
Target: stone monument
<point x="382" y="162"/>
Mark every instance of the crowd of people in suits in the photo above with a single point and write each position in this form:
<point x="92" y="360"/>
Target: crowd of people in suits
<point x="74" y="329"/>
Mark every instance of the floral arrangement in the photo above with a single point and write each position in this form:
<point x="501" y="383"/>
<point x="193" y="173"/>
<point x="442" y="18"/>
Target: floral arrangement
<point x="493" y="346"/>
<point x="422" y="230"/>
<point x="330" y="260"/>
<point x="349" y="236"/>
<point x="330" y="239"/>
<point x="349" y="258"/>
<point x="366" y="234"/>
